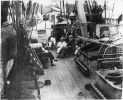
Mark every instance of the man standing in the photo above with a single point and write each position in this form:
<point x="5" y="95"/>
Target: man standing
<point x="100" y="11"/>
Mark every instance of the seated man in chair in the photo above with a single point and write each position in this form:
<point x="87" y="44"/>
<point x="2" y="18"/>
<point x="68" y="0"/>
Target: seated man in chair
<point x="70" y="44"/>
<point x="64" y="47"/>
<point x="79" y="45"/>
<point x="70" y="41"/>
<point x="61" y="47"/>
<point x="51" y="40"/>
<point x="42" y="52"/>
<point x="45" y="53"/>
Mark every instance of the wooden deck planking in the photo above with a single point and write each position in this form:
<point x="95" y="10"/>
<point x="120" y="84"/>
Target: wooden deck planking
<point x="71" y="82"/>
<point x="60" y="92"/>
<point x="80" y="81"/>
<point x="66" y="82"/>
<point x="44" y="90"/>
<point x="50" y="87"/>
<point x="74" y="90"/>
<point x="55" y="89"/>
<point x="63" y="77"/>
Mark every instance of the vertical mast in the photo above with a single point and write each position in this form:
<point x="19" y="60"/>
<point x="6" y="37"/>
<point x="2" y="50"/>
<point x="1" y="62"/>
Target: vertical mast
<point x="18" y="60"/>
<point x="63" y="7"/>
<point x="82" y="17"/>
<point x="105" y="8"/>
<point x="122" y="19"/>
<point x="60" y="6"/>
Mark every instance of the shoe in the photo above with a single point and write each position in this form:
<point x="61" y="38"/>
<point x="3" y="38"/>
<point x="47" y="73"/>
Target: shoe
<point x="53" y="64"/>
<point x="62" y="57"/>
<point x="80" y="94"/>
<point x="45" y="67"/>
<point x="55" y="59"/>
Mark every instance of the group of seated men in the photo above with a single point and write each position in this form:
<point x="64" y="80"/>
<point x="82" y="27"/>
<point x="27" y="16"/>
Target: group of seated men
<point x="63" y="45"/>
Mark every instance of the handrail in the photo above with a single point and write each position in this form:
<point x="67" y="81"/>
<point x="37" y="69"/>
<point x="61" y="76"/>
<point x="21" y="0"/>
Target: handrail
<point x="85" y="55"/>
<point x="111" y="45"/>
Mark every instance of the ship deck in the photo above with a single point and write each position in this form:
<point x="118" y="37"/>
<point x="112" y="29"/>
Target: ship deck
<point x="67" y="80"/>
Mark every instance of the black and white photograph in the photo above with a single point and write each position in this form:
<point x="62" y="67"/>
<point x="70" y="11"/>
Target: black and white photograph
<point x="61" y="50"/>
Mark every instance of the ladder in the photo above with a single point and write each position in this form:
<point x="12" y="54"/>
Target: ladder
<point x="35" y="60"/>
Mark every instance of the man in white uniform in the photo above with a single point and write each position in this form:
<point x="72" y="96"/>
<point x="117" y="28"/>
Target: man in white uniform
<point x="61" y="46"/>
<point x="51" y="40"/>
